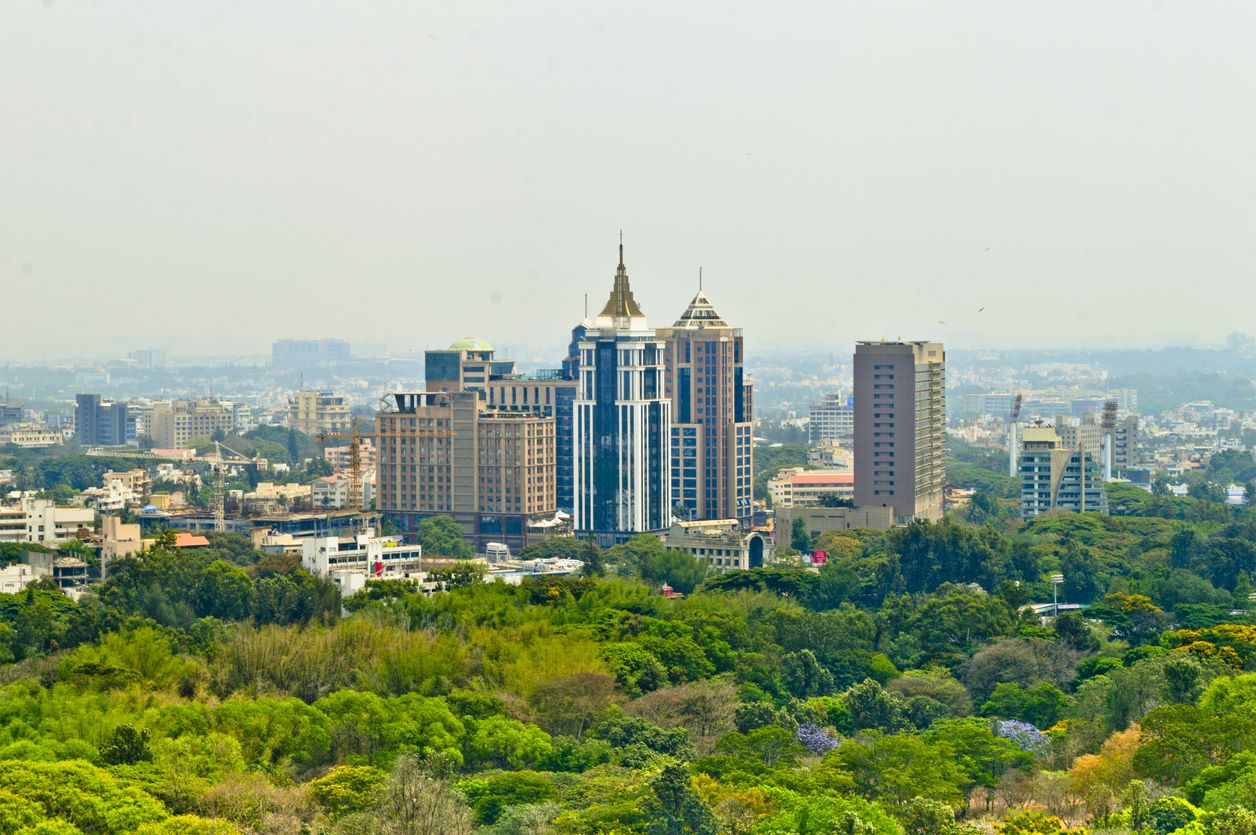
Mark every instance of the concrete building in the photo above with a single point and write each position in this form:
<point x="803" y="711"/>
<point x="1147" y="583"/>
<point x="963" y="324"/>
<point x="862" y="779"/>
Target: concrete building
<point x="341" y="457"/>
<point x="471" y="364"/>
<point x="832" y="421"/>
<point x="900" y="427"/>
<point x="318" y="412"/>
<point x="11" y="413"/>
<point x="333" y="492"/>
<point x="100" y="422"/>
<point x="308" y="353"/>
<point x="1055" y="477"/>
<point x="712" y="450"/>
<point x="118" y="539"/>
<point x="723" y="545"/>
<point x="351" y="561"/>
<point x="796" y="487"/>
<point x="622" y="424"/>
<point x="1085" y="433"/>
<point x="447" y="453"/>
<point x="177" y="424"/>
<point x="821" y="520"/>
<point x="42" y="522"/>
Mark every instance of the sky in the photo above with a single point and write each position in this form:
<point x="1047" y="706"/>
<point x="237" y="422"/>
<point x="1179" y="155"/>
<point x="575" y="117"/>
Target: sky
<point x="206" y="176"/>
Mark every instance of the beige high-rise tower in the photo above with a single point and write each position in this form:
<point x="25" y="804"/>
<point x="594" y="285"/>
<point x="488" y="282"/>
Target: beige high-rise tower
<point x="900" y="427"/>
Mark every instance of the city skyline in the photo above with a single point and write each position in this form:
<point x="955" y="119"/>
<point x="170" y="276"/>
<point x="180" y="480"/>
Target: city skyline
<point x="451" y="159"/>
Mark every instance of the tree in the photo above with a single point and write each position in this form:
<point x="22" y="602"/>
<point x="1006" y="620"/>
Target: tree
<point x="803" y="675"/>
<point x="1041" y="705"/>
<point x="442" y="536"/>
<point x="676" y="808"/>
<point x="419" y="798"/>
<point x="127" y="745"/>
<point x="799" y="539"/>
<point x="347" y="788"/>
<point x="872" y="707"/>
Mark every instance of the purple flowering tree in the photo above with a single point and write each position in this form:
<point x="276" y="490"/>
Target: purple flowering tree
<point x="816" y="739"/>
<point x="1026" y="736"/>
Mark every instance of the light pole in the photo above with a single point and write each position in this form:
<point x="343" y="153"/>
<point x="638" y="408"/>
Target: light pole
<point x="1056" y="580"/>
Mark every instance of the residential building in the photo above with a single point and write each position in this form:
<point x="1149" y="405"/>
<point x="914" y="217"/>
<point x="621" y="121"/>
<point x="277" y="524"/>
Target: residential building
<point x="334" y="492"/>
<point x="1056" y="477"/>
<point x="100" y="422"/>
<point x="341" y="457"/>
<point x="447" y="453"/>
<point x="42" y="522"/>
<point x="712" y="449"/>
<point x="118" y="539"/>
<point x="308" y="353"/>
<point x="1083" y="433"/>
<point x="832" y="421"/>
<point x="723" y="545"/>
<point x="622" y="424"/>
<point x="795" y="487"/>
<point x="318" y="412"/>
<point x="900" y="427"/>
<point x="180" y="423"/>
<point x="1125" y="439"/>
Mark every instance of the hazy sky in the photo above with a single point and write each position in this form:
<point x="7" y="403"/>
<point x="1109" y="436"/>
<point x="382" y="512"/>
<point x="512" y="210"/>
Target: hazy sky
<point x="207" y="175"/>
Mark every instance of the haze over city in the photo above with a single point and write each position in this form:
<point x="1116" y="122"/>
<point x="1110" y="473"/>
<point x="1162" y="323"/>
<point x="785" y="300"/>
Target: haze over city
<point x="840" y="171"/>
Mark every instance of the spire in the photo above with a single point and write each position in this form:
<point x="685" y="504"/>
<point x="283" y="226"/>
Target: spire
<point x="621" y="304"/>
<point x="700" y="313"/>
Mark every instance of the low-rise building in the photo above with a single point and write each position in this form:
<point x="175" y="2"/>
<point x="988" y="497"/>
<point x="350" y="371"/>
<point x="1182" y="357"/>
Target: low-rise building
<point x="797" y="486"/>
<point x="333" y="492"/>
<point x="720" y="544"/>
<point x="350" y="561"/>
<point x="42" y="522"/>
<point x="819" y="520"/>
<point x="30" y="436"/>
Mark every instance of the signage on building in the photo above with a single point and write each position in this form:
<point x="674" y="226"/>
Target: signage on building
<point x="819" y="557"/>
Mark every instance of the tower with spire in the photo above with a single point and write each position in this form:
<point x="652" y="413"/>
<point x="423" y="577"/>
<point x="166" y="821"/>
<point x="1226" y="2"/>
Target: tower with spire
<point x="712" y="404"/>
<point x="621" y="422"/>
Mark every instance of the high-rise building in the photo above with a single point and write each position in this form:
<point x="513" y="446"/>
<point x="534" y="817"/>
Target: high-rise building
<point x="447" y="453"/>
<point x="1057" y="477"/>
<point x="832" y="421"/>
<point x="180" y="423"/>
<point x="99" y="422"/>
<point x="712" y="449"/>
<point x="317" y="412"/>
<point x="308" y="353"/>
<point x="900" y="427"/>
<point x="622" y="424"/>
<point x="470" y="364"/>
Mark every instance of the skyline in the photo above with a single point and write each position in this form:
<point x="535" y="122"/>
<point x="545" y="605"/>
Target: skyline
<point x="840" y="173"/>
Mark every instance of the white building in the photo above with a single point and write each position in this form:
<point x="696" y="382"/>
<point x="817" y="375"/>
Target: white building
<point x="42" y="522"/>
<point x="349" y="562"/>
<point x="832" y="421"/>
<point x="332" y="492"/>
<point x="796" y="487"/>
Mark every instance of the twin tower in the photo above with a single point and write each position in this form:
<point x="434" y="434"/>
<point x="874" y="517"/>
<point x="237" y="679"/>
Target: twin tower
<point x="661" y="421"/>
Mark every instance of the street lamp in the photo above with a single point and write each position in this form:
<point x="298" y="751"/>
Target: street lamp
<point x="1056" y="580"/>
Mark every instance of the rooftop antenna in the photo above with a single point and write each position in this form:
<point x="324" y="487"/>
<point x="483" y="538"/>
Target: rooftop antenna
<point x="586" y="305"/>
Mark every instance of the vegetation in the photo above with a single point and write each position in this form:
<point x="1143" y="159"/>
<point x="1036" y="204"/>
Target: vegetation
<point x="903" y="688"/>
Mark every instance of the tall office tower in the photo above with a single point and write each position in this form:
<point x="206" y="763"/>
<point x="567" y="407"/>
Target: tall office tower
<point x="712" y="451"/>
<point x="99" y="422"/>
<point x="447" y="453"/>
<point x="1055" y="476"/>
<point x="900" y="427"/>
<point x="622" y="424"/>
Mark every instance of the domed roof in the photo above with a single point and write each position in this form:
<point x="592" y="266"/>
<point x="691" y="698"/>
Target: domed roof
<point x="470" y="343"/>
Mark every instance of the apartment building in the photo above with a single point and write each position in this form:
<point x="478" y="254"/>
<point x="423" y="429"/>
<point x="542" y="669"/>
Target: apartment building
<point x="1057" y="477"/>
<point x="318" y="412"/>
<point x="177" y="424"/>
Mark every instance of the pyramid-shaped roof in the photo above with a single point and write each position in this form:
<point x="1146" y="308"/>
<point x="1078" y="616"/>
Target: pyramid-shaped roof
<point x="700" y="314"/>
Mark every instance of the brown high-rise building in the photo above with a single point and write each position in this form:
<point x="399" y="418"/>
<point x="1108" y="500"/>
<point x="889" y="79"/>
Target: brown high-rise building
<point x="447" y="453"/>
<point x="900" y="427"/>
<point x="711" y="443"/>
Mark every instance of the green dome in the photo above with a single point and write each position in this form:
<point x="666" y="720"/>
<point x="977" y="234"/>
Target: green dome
<point x="470" y="343"/>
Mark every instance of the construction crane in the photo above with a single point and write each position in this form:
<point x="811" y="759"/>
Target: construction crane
<point x="355" y="438"/>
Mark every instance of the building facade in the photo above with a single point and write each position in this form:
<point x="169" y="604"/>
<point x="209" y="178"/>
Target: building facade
<point x="723" y="545"/>
<point x="1055" y="477"/>
<point x="796" y="487"/>
<point x="900" y="427"/>
<point x="99" y="422"/>
<point x="447" y="453"/>
<point x="308" y="353"/>
<point x="621" y="424"/>
<point x="175" y="425"/>
<point x="832" y="421"/>
<point x="42" y="522"/>
<point x="318" y="412"/>
<point x="712" y="449"/>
